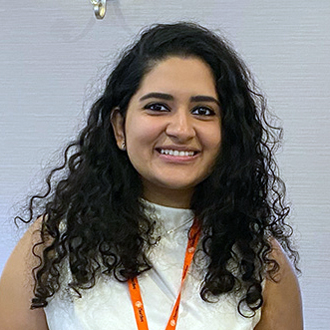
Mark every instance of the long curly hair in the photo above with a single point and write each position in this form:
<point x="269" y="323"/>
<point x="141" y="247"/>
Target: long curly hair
<point x="92" y="214"/>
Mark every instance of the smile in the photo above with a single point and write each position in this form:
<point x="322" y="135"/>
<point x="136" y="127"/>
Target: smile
<point x="178" y="153"/>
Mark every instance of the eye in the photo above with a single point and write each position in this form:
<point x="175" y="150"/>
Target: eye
<point x="203" y="111"/>
<point x="156" y="107"/>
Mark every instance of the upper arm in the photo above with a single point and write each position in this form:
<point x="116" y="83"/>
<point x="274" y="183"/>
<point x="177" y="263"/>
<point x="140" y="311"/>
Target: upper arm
<point x="282" y="307"/>
<point x="16" y="287"/>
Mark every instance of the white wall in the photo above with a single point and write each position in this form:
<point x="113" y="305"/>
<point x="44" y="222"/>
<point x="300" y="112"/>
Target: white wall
<point x="51" y="57"/>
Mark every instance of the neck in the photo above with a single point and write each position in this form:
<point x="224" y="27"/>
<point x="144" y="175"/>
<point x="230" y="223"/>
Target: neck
<point x="167" y="197"/>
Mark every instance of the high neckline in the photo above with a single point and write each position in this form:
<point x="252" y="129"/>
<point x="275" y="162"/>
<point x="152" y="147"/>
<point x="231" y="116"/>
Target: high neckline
<point x="171" y="218"/>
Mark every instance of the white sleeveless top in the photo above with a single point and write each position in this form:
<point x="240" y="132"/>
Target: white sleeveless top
<point x="107" y="306"/>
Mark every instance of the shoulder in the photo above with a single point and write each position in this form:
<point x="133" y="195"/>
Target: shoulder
<point x="282" y="307"/>
<point x="16" y="285"/>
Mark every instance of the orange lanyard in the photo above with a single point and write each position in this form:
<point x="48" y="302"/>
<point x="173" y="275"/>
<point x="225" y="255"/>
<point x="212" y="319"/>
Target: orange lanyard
<point x="134" y="288"/>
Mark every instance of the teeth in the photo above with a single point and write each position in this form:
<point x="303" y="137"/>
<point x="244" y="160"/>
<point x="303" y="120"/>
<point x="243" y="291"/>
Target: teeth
<point x="176" y="152"/>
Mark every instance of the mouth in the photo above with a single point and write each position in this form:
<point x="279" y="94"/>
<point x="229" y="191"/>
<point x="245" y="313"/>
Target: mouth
<point x="177" y="153"/>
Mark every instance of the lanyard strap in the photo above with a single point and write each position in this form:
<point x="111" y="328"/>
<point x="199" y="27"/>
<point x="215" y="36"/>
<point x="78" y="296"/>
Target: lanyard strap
<point x="134" y="288"/>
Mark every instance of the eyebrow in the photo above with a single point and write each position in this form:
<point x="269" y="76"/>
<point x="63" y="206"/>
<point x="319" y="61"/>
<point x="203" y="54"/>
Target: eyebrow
<point x="169" y="97"/>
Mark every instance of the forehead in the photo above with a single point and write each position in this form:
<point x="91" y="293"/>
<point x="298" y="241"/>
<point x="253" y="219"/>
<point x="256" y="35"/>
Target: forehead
<point x="177" y="75"/>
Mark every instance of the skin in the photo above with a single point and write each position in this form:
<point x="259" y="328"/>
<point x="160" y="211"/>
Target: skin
<point x="179" y="121"/>
<point x="16" y="287"/>
<point x="282" y="307"/>
<point x="175" y="108"/>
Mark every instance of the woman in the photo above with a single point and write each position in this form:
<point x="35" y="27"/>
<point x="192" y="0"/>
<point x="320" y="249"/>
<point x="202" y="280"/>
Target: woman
<point x="176" y="162"/>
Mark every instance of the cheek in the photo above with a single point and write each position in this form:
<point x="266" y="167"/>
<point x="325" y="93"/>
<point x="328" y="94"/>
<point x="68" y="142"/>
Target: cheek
<point x="143" y="133"/>
<point x="212" y="138"/>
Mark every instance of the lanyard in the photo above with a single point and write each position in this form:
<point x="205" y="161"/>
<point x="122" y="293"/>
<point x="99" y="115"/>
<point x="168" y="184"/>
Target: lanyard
<point x="134" y="288"/>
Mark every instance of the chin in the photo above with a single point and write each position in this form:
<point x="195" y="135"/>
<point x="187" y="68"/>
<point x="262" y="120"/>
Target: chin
<point x="176" y="185"/>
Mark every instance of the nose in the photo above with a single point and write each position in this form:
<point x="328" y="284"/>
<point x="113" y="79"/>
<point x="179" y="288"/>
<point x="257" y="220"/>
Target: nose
<point x="180" y="126"/>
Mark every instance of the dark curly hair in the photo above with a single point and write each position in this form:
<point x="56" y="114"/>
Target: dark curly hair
<point x="97" y="193"/>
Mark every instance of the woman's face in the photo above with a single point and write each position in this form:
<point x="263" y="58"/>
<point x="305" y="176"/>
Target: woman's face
<point x="172" y="129"/>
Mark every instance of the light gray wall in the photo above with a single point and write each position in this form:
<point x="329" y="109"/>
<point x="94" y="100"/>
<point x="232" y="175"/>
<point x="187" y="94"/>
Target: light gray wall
<point x="51" y="57"/>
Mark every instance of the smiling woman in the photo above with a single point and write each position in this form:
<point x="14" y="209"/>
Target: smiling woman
<point x="169" y="212"/>
<point x="177" y="139"/>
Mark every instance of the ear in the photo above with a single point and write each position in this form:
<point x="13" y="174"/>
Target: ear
<point x="118" y="125"/>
